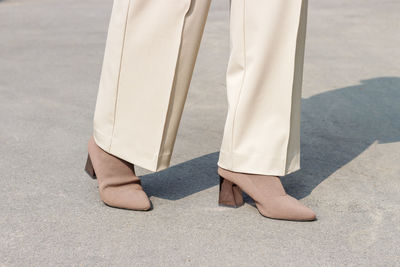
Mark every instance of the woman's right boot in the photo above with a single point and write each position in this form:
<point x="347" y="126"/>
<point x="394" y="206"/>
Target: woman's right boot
<point x="118" y="185"/>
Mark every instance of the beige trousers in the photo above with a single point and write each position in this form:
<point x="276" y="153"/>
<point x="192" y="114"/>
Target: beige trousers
<point x="150" y="54"/>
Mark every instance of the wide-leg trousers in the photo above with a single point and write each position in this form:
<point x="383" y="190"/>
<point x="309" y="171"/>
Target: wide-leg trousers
<point x="150" y="54"/>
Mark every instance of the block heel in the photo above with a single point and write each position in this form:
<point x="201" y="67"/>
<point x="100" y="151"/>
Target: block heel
<point x="230" y="195"/>
<point x="268" y="193"/>
<point x="89" y="168"/>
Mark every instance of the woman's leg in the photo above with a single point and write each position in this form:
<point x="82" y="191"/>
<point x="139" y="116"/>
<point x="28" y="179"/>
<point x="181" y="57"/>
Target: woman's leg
<point x="150" y="54"/>
<point x="149" y="59"/>
<point x="262" y="131"/>
<point x="264" y="79"/>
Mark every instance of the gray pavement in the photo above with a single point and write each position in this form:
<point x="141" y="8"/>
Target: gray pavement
<point x="50" y="213"/>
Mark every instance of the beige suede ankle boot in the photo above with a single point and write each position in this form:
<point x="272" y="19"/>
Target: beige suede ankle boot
<point x="118" y="185"/>
<point x="267" y="192"/>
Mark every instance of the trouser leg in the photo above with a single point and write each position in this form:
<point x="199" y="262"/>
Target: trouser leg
<point x="264" y="77"/>
<point x="150" y="54"/>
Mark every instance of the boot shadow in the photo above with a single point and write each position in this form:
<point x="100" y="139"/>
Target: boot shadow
<point x="336" y="127"/>
<point x="183" y="179"/>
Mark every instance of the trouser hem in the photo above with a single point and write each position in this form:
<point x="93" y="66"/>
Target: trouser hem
<point x="263" y="165"/>
<point x="151" y="162"/>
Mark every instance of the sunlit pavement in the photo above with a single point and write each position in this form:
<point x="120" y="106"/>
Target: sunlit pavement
<point x="50" y="213"/>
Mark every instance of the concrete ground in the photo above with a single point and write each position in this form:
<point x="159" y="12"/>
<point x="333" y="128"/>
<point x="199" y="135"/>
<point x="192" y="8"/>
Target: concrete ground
<point x="50" y="212"/>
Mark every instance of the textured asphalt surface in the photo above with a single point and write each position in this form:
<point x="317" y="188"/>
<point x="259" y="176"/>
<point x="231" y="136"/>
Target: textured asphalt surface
<point x="50" y="213"/>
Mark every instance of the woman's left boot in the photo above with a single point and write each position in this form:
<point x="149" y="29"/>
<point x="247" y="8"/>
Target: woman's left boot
<point x="267" y="192"/>
<point x="118" y="185"/>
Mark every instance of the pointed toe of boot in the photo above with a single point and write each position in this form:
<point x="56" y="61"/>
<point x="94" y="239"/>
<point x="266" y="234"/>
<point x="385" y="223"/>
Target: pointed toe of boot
<point x="286" y="208"/>
<point x="302" y="212"/>
<point x="309" y="215"/>
<point x="126" y="198"/>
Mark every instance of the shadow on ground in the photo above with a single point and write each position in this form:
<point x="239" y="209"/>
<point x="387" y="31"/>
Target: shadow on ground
<point x="337" y="126"/>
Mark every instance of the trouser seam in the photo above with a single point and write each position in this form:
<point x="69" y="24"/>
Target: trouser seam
<point x="244" y="75"/>
<point x="298" y="38"/>
<point x="119" y="72"/>
<point x="171" y="99"/>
